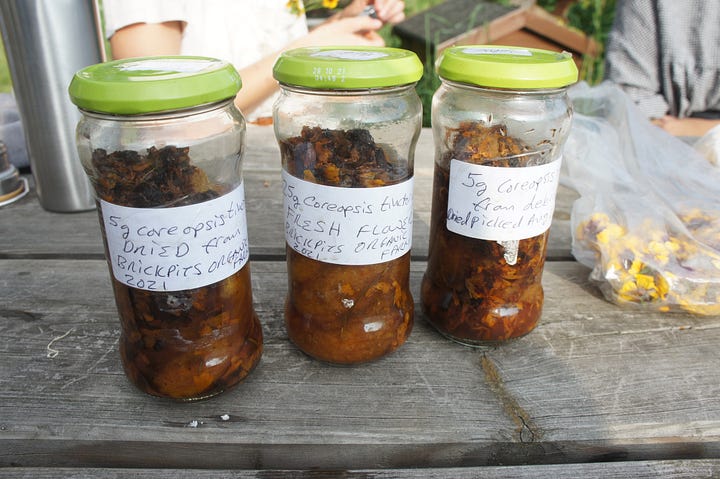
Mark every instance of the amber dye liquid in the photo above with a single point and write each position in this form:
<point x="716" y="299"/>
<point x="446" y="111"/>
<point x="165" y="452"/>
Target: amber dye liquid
<point x="189" y="344"/>
<point x="345" y="314"/>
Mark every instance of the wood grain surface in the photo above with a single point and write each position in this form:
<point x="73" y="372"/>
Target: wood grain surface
<point x="595" y="391"/>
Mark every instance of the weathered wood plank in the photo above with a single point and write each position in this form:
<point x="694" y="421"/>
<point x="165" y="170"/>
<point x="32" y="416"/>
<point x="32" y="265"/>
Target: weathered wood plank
<point x="697" y="469"/>
<point x="26" y="230"/>
<point x="592" y="383"/>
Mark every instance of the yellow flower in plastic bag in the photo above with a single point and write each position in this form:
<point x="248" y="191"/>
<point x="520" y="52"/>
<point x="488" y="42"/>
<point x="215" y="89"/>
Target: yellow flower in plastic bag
<point x="653" y="266"/>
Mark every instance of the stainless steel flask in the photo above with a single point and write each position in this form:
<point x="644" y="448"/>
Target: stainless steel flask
<point x="46" y="42"/>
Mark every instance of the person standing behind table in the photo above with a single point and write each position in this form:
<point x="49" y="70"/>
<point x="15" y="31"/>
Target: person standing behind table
<point x="665" y="54"/>
<point x="250" y="34"/>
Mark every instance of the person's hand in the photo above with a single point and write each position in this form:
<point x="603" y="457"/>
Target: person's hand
<point x="355" y="31"/>
<point x="388" y="11"/>
<point x="685" y="126"/>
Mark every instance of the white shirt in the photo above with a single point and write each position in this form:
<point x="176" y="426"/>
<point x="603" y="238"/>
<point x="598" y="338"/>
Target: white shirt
<point x="238" y="31"/>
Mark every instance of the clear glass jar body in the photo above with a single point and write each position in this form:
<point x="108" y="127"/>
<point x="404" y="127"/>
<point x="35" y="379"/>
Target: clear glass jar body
<point x="485" y="290"/>
<point x="354" y="142"/>
<point x="201" y="335"/>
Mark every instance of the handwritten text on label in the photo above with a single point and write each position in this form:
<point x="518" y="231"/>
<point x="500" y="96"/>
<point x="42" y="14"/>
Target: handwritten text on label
<point x="501" y="204"/>
<point x="352" y="226"/>
<point x="172" y="249"/>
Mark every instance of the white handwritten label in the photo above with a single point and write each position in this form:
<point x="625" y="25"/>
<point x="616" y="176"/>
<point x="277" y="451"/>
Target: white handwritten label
<point x="172" y="249"/>
<point x="350" y="226"/>
<point x="501" y="204"/>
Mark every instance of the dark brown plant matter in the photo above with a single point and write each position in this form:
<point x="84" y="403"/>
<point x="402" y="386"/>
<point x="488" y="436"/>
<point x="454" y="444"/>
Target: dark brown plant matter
<point x="470" y="292"/>
<point x="338" y="313"/>
<point x="188" y="344"/>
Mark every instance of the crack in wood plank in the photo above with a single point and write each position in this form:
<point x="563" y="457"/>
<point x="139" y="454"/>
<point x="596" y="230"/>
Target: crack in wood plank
<point x="527" y="430"/>
<point x="19" y="315"/>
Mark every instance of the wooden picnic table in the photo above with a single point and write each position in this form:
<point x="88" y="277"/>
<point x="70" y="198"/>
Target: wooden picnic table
<point x="595" y="390"/>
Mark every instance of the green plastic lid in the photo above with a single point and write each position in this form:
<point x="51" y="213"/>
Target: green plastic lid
<point x="507" y="67"/>
<point x="347" y="68"/>
<point x="137" y="86"/>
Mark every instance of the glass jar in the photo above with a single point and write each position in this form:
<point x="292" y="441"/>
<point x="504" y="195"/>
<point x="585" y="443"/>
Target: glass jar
<point x="500" y="118"/>
<point x="162" y="144"/>
<point x="347" y="121"/>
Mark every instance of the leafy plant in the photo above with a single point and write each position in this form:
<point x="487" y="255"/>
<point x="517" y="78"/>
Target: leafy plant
<point x="594" y="18"/>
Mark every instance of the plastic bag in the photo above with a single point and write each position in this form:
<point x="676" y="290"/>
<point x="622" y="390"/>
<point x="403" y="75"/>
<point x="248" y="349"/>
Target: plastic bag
<point x="708" y="145"/>
<point x="648" y="218"/>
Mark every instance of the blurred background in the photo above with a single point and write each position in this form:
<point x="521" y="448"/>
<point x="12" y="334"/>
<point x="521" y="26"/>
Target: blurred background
<point x="578" y="26"/>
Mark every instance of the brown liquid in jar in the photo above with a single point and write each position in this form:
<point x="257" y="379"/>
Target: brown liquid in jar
<point x="188" y="344"/>
<point x="469" y="292"/>
<point x="338" y="313"/>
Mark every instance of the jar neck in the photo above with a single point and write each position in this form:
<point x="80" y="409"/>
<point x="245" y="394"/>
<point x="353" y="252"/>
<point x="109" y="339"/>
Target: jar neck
<point x="163" y="115"/>
<point x="341" y="92"/>
<point x="506" y="91"/>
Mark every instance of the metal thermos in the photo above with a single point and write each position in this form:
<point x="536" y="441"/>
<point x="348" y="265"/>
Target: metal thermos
<point x="46" y="42"/>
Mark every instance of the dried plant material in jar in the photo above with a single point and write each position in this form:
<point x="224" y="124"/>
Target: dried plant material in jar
<point x="477" y="290"/>
<point x="187" y="344"/>
<point x="339" y="313"/>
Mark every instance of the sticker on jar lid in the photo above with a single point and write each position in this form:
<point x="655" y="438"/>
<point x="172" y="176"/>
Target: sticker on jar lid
<point x="173" y="249"/>
<point x="520" y="52"/>
<point x="501" y="204"/>
<point x="350" y="54"/>
<point x="169" y="66"/>
<point x="349" y="226"/>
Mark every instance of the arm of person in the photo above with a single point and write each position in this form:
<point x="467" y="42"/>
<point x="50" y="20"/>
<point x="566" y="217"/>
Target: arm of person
<point x="258" y="81"/>
<point x="147" y="39"/>
<point x="165" y="38"/>
<point x="632" y="58"/>
<point x="686" y="126"/>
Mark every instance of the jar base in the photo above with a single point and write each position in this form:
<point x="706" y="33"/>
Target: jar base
<point x="480" y="344"/>
<point x="167" y="385"/>
<point x="348" y="364"/>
